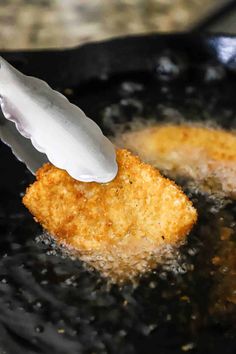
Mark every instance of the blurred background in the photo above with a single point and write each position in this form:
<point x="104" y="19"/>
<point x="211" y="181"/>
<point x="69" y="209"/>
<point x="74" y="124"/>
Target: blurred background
<point x="65" y="23"/>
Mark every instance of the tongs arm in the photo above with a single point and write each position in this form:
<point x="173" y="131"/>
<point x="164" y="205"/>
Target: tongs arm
<point x="55" y="127"/>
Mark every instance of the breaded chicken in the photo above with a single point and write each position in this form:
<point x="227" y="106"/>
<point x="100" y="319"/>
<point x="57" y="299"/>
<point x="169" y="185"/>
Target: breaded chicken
<point x="120" y="228"/>
<point x="204" y="154"/>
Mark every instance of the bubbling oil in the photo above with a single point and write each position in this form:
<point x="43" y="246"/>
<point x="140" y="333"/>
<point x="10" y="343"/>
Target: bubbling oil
<point x="109" y="262"/>
<point x="52" y="302"/>
<point x="218" y="216"/>
<point x="217" y="200"/>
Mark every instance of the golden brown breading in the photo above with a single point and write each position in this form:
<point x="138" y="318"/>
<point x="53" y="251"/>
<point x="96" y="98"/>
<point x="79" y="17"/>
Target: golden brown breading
<point x="205" y="154"/>
<point x="118" y="227"/>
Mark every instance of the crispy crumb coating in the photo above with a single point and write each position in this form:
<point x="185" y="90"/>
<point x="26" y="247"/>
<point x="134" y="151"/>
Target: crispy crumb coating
<point x="117" y="227"/>
<point x="204" y="154"/>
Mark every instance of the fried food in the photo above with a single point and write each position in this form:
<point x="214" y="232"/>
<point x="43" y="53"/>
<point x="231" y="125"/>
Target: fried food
<point x="120" y="228"/>
<point x="205" y="154"/>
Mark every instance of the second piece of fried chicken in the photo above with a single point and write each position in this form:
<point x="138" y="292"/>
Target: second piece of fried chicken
<point x="205" y="154"/>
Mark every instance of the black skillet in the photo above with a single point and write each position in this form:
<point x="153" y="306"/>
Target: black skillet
<point x="53" y="304"/>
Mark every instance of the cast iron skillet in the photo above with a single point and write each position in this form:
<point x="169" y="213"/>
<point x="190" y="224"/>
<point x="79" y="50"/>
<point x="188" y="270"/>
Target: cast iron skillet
<point x="50" y="303"/>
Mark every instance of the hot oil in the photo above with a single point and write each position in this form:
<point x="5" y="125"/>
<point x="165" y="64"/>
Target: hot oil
<point x="218" y="208"/>
<point x="107" y="260"/>
<point x="50" y="302"/>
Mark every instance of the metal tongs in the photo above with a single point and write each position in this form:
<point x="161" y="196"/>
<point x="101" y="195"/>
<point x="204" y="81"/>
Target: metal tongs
<point x="40" y="125"/>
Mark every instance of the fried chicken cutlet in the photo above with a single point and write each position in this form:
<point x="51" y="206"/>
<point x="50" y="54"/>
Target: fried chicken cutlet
<point x="204" y="154"/>
<point x="120" y="227"/>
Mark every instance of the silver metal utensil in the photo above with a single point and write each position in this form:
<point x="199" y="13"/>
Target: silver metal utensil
<point x="40" y="124"/>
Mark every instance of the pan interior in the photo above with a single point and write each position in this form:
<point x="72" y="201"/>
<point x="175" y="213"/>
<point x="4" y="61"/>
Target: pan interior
<point x="53" y="303"/>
